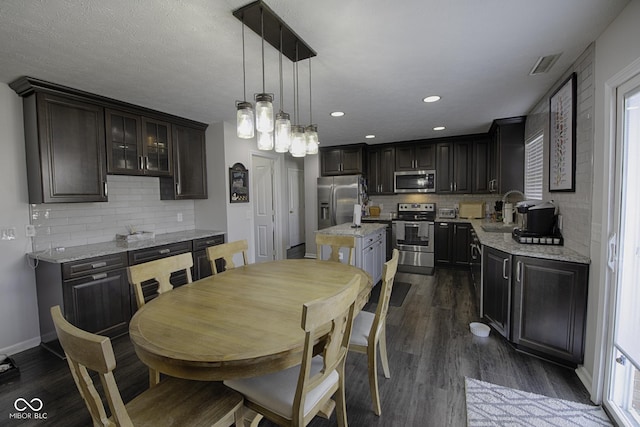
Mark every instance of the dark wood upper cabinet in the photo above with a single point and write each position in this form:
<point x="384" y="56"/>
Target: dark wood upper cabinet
<point x="157" y="147"/>
<point x="380" y="175"/>
<point x="342" y="160"/>
<point x="65" y="149"/>
<point x="454" y="171"/>
<point x="481" y="156"/>
<point x="124" y="143"/>
<point x="415" y="156"/>
<point x="189" y="180"/>
<point x="507" y="155"/>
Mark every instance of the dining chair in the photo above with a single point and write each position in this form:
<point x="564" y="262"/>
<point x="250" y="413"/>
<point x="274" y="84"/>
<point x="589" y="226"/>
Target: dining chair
<point x="173" y="402"/>
<point x="294" y="396"/>
<point x="159" y="270"/>
<point x="226" y="251"/>
<point x="335" y="242"/>
<point x="369" y="331"/>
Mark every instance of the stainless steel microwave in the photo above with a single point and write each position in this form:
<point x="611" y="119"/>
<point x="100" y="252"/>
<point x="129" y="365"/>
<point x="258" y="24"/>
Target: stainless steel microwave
<point x="423" y="181"/>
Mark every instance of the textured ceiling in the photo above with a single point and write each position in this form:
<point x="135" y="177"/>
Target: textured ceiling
<point x="376" y="59"/>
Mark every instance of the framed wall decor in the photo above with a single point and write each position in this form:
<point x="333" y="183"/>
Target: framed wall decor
<point x="562" y="136"/>
<point x="238" y="184"/>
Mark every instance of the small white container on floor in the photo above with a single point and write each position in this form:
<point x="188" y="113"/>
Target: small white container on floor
<point x="479" y="329"/>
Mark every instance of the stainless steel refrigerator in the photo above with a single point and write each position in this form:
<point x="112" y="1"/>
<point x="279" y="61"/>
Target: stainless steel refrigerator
<point x="336" y="197"/>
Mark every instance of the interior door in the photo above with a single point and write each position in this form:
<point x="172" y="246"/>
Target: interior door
<point x="295" y="178"/>
<point x="263" y="208"/>
<point x="623" y="360"/>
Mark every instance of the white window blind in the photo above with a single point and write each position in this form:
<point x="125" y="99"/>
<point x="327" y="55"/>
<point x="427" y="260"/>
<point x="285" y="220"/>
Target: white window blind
<point x="533" y="164"/>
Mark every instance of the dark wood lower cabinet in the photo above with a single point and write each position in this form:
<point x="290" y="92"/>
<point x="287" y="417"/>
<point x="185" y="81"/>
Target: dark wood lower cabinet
<point x="201" y="264"/>
<point x="496" y="289"/>
<point x="549" y="307"/>
<point x="452" y="244"/>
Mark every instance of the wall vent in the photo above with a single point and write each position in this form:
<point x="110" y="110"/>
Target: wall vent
<point x="544" y="64"/>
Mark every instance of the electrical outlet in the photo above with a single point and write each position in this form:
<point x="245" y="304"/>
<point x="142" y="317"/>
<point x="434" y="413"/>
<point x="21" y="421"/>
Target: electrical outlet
<point x="340" y="256"/>
<point x="179" y="216"/>
<point x="30" y="230"/>
<point x="8" y="233"/>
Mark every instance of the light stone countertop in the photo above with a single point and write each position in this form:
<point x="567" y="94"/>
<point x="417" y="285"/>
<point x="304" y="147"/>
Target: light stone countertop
<point x="504" y="242"/>
<point x="75" y="253"/>
<point x="365" y="229"/>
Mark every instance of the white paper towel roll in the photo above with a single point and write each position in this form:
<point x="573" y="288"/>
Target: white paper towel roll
<point x="357" y="214"/>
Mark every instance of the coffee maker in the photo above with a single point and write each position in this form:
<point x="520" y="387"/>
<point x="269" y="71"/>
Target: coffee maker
<point x="537" y="223"/>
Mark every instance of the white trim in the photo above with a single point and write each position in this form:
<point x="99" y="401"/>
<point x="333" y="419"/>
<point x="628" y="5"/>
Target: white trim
<point x="21" y="346"/>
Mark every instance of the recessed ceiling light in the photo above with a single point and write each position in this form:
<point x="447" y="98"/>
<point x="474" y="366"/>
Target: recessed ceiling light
<point x="337" y="114"/>
<point x="369" y="136"/>
<point x="432" y="98"/>
<point x="439" y="128"/>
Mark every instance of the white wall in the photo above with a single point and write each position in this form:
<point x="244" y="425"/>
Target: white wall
<point x="617" y="53"/>
<point x="311" y="174"/>
<point x="19" y="328"/>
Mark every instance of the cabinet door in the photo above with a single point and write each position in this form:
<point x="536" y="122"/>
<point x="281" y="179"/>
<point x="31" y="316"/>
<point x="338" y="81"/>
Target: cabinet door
<point x="442" y="249"/>
<point x="100" y="303"/>
<point x="124" y="143"/>
<point x="381" y="168"/>
<point x="480" y="181"/>
<point x="496" y="289"/>
<point x="405" y="158"/>
<point x="201" y="264"/>
<point x="444" y="168"/>
<point x="373" y="172"/>
<point x="331" y="162"/>
<point x="462" y="170"/>
<point x="71" y="150"/>
<point x="461" y="244"/>
<point x="189" y="179"/>
<point x="549" y="307"/>
<point x="369" y="261"/>
<point x="425" y="156"/>
<point x="352" y="160"/>
<point x="157" y="147"/>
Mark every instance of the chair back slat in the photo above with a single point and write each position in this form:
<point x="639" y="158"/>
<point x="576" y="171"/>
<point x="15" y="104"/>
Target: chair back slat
<point x="388" y="274"/>
<point x="336" y="242"/>
<point x="226" y="251"/>
<point x="159" y="270"/>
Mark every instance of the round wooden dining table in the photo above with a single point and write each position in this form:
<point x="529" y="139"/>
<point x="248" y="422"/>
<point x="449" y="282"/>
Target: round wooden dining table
<point x="239" y="323"/>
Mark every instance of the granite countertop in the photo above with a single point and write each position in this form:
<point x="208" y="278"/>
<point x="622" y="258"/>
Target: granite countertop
<point x="75" y="253"/>
<point x="346" y="230"/>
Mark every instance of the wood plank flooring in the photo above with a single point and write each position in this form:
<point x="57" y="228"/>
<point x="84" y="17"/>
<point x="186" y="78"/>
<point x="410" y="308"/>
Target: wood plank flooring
<point x="430" y="349"/>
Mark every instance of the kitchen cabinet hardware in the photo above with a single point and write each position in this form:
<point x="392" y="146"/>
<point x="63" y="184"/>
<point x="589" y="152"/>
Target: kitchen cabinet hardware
<point x="98" y="264"/>
<point x="504" y="268"/>
<point x="164" y="251"/>
<point x="99" y="276"/>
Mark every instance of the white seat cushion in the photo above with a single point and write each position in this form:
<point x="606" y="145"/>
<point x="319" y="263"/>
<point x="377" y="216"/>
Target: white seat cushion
<point x="361" y="328"/>
<point x="276" y="391"/>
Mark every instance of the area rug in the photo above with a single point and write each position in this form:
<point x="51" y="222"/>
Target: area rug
<point x="398" y="294"/>
<point x="493" y="405"/>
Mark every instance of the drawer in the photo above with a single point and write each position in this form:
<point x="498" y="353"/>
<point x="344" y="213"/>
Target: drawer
<point x="205" y="242"/>
<point x="371" y="239"/>
<point x="158" y="252"/>
<point x="86" y="267"/>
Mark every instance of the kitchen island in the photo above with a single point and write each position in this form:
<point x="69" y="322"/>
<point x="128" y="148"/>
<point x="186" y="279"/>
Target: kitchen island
<point x="370" y="253"/>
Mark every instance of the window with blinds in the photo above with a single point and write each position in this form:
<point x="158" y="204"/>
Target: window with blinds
<point x="533" y="163"/>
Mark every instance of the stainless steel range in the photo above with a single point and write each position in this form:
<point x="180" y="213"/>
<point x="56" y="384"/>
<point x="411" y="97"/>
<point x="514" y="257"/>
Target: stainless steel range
<point x="413" y="235"/>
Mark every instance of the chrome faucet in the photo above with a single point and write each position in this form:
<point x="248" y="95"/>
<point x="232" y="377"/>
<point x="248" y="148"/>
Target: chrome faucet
<point x="508" y="193"/>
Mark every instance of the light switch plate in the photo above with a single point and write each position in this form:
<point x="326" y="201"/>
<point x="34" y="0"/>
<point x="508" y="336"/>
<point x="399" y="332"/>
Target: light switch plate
<point x="30" y="230"/>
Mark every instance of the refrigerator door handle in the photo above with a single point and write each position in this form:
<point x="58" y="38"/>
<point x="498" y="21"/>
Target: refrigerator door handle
<point x="334" y="205"/>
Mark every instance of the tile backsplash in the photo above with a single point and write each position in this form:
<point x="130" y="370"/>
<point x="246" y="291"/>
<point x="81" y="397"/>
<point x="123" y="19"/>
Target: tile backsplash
<point x="390" y="203"/>
<point x="133" y="202"/>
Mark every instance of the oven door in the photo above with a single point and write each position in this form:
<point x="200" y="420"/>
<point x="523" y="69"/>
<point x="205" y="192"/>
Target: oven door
<point x="415" y="242"/>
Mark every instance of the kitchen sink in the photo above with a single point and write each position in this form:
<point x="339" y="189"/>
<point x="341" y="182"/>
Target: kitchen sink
<point x="498" y="228"/>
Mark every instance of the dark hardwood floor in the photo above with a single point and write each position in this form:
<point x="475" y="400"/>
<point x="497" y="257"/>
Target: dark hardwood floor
<point x="430" y="349"/>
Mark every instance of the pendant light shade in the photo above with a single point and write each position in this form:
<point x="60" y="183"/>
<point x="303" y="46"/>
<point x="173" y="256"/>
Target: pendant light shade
<point x="245" y="120"/>
<point x="298" y="142"/>
<point x="264" y="112"/>
<point x="283" y="132"/>
<point x="265" y="140"/>
<point x="311" y="134"/>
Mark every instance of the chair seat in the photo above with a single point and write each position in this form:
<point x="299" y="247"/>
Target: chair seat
<point x="361" y="328"/>
<point x="177" y="402"/>
<point x="276" y="391"/>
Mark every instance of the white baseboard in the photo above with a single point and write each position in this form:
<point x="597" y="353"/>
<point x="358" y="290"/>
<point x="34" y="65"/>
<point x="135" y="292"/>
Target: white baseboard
<point x="587" y="381"/>
<point x="21" y="346"/>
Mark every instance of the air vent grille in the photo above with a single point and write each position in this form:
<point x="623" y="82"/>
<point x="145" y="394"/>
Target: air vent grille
<point x="544" y="64"/>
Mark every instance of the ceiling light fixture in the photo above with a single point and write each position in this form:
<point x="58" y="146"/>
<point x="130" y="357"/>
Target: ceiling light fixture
<point x="432" y="98"/>
<point x="283" y="121"/>
<point x="337" y="114"/>
<point x="264" y="105"/>
<point x="244" y="114"/>
<point x="311" y="131"/>
<point x="439" y="128"/>
<point x="264" y="22"/>
<point x="369" y="136"/>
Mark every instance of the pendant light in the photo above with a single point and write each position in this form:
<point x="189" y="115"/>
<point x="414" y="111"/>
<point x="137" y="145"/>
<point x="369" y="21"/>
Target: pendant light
<point x="298" y="141"/>
<point x="264" y="101"/>
<point x="283" y="122"/>
<point x="244" y="114"/>
<point x="311" y="131"/>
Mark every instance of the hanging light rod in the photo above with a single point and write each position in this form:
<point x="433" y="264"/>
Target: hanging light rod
<point x="251" y="16"/>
